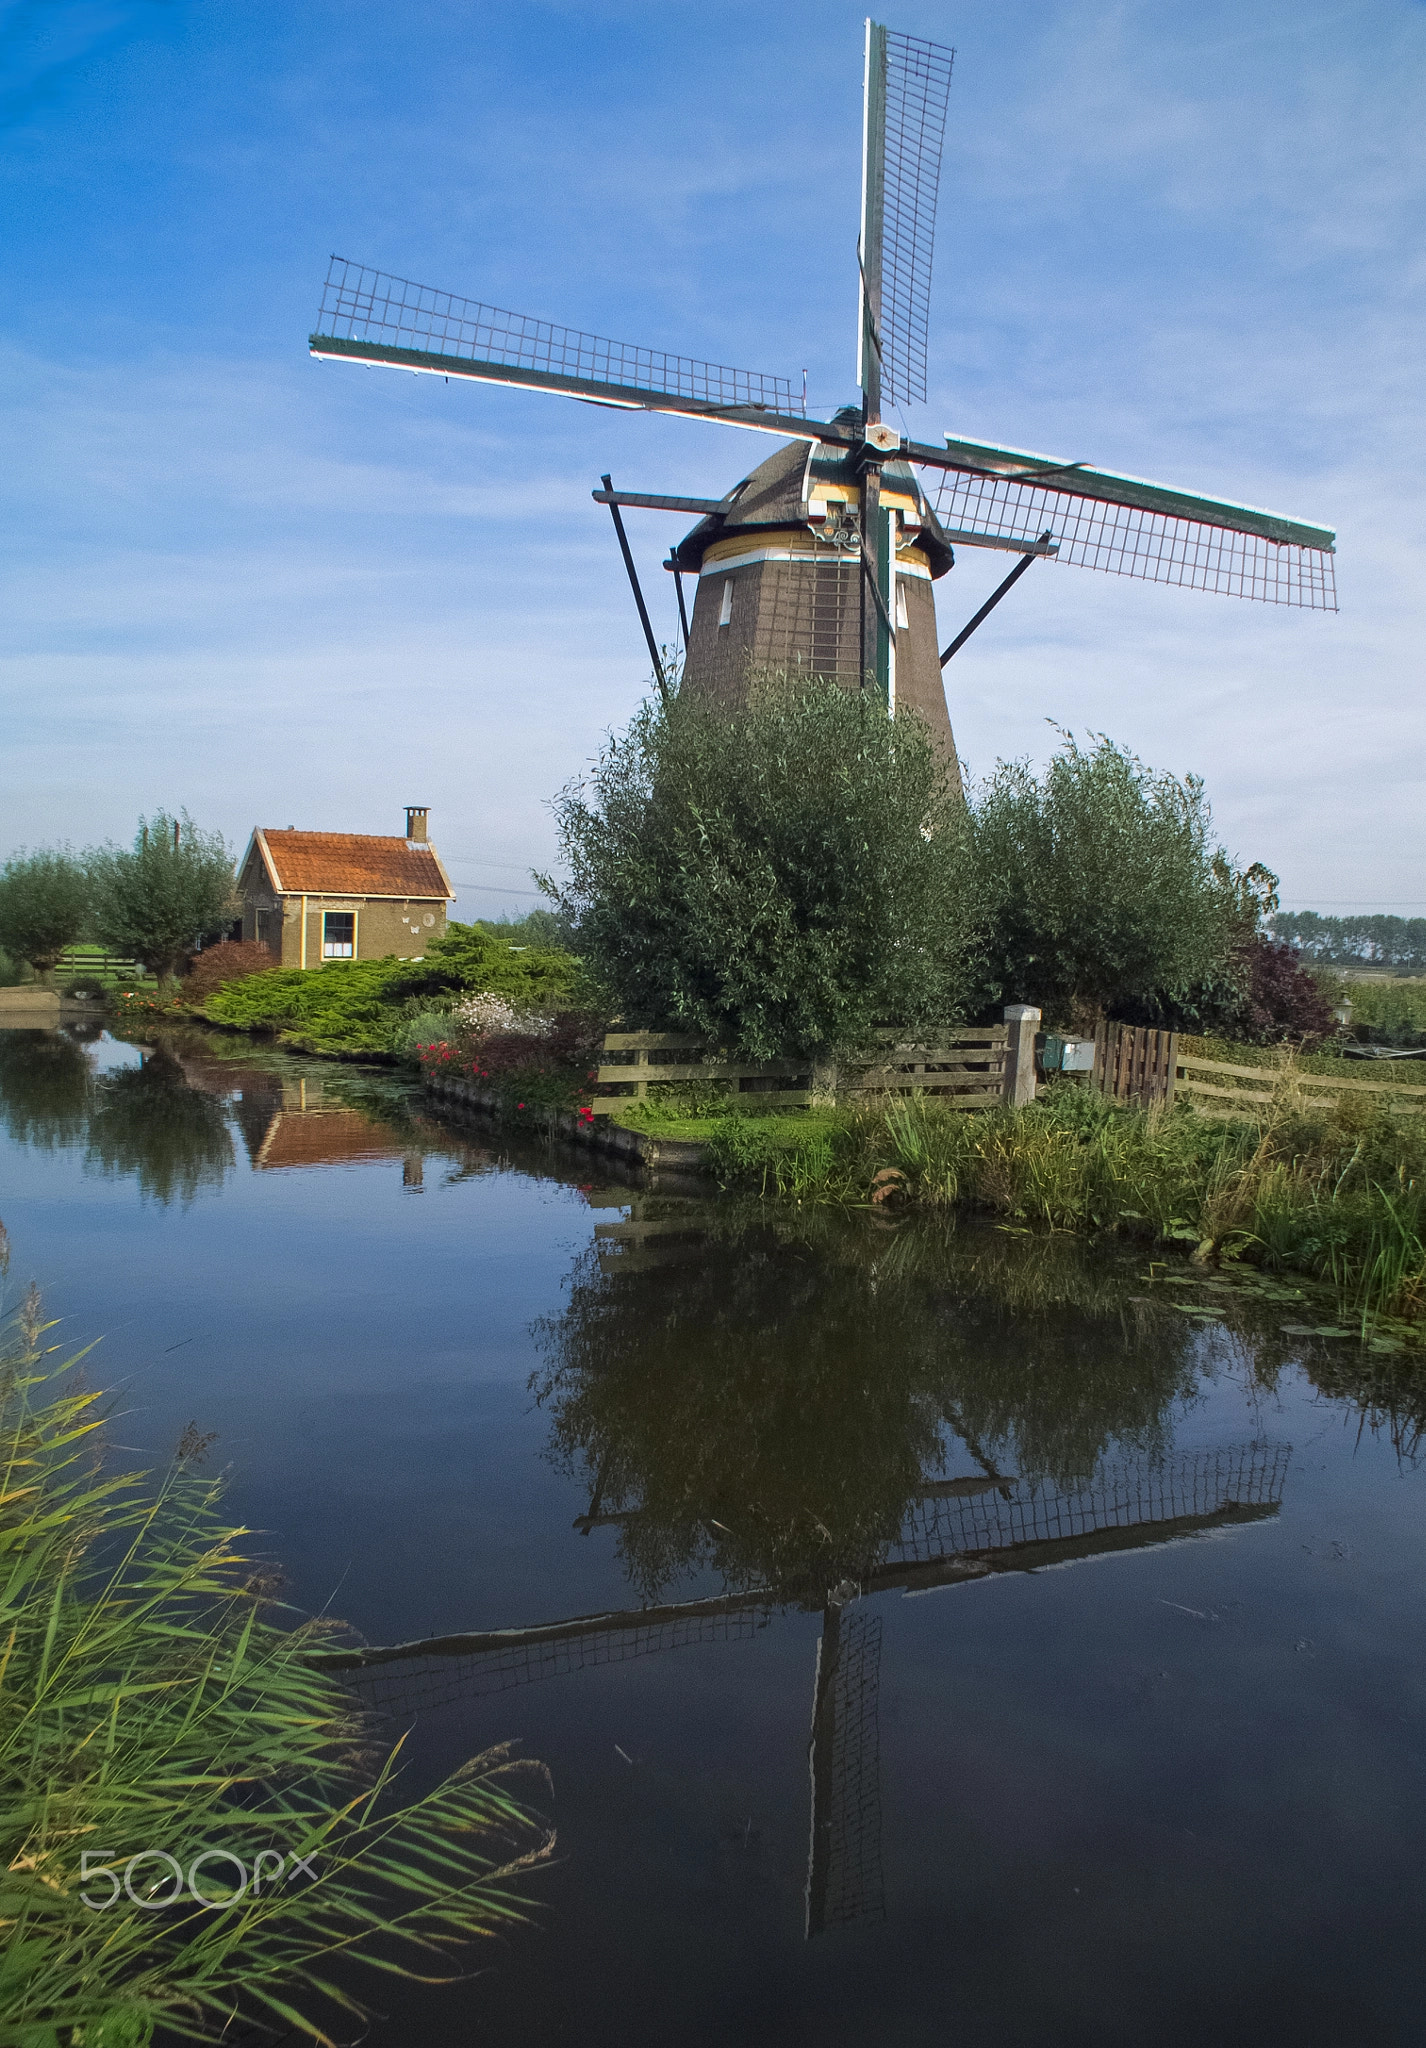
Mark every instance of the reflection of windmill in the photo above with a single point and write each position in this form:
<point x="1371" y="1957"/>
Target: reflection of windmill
<point x="824" y="556"/>
<point x="956" y="1531"/>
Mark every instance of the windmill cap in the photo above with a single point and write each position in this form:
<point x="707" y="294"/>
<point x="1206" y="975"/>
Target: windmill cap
<point x="778" y="492"/>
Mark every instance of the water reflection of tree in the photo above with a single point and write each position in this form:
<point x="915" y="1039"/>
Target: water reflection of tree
<point x="767" y="1404"/>
<point x="1388" y="1393"/>
<point x="44" y="1088"/>
<point x="147" y="1122"/>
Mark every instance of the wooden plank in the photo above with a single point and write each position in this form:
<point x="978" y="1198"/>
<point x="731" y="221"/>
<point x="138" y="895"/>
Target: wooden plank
<point x="984" y="1068"/>
<point x="788" y="1071"/>
<point x="1303" y="1079"/>
<point x="1388" y="1088"/>
<point x="638" y="1041"/>
<point x="1227" y="1094"/>
<point x="1191" y="1059"/>
<point x="988" y="1034"/>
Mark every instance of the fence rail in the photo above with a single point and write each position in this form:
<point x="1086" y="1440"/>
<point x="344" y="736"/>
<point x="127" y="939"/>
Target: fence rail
<point x="969" y="1068"/>
<point x="93" y="960"/>
<point x="1319" y="1091"/>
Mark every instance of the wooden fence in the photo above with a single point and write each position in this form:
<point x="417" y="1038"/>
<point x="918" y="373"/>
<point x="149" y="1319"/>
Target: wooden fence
<point x="77" y="962"/>
<point x="1216" y="1085"/>
<point x="967" y="1068"/>
<point x="1135" y="1065"/>
<point x="1148" y="1067"/>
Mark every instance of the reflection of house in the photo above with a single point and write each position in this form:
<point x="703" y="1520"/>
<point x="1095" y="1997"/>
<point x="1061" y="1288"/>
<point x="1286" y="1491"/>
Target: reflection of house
<point x="286" y="1119"/>
<point x="324" y="1137"/>
<point x="319" y="896"/>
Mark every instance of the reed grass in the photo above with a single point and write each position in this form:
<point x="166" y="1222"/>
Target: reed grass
<point x="155" y="1697"/>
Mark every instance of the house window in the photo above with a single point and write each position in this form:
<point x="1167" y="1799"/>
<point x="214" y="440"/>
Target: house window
<point x="338" y="934"/>
<point x="725" y="609"/>
<point x="901" y="615"/>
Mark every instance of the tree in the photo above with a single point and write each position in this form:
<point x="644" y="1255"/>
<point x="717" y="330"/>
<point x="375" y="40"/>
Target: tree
<point x="781" y="876"/>
<point x="1100" y="884"/>
<point x="44" y="901"/>
<point x="157" y="899"/>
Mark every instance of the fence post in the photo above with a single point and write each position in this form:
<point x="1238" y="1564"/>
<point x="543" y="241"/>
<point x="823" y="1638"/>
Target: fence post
<point x="822" y="1091"/>
<point x="1021" y="1022"/>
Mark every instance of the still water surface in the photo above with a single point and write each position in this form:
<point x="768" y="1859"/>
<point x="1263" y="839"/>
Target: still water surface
<point x="992" y="1651"/>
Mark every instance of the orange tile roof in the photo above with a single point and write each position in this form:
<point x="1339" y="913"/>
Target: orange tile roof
<point x="352" y="864"/>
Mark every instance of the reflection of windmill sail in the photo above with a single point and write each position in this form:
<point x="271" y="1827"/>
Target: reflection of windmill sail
<point x="951" y="1535"/>
<point x="844" y="1853"/>
<point x="417" y="1677"/>
<point x="1127" y="1507"/>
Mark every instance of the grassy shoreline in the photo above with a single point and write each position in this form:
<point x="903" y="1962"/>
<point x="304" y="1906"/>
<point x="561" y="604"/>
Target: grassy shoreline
<point x="1339" y="1196"/>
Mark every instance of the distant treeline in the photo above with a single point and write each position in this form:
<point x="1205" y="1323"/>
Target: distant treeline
<point x="1398" y="942"/>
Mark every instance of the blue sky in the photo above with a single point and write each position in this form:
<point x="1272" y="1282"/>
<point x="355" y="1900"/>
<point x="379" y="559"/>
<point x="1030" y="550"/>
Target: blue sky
<point x="1179" y="241"/>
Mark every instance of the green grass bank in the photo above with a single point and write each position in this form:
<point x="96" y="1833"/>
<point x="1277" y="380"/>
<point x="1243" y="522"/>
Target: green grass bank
<point x="1338" y="1196"/>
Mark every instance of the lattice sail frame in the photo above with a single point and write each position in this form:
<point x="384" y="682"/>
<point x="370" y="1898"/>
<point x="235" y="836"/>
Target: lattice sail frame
<point x="366" y="305"/>
<point x="1130" y="540"/>
<point x="918" y="90"/>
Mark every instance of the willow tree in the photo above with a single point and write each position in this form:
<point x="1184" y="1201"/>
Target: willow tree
<point x="159" y="898"/>
<point x="780" y="876"/>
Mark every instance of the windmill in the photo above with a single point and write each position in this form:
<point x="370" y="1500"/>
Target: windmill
<point x="823" y="558"/>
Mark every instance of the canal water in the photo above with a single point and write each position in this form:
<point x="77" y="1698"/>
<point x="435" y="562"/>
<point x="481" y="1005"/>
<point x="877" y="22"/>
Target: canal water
<point x="935" y="1634"/>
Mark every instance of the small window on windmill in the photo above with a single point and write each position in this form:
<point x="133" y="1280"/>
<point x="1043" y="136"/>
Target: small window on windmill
<point x="725" y="609"/>
<point x="903" y="617"/>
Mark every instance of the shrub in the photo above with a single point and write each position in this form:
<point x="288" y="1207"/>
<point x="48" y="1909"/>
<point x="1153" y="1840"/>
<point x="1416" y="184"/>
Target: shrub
<point x="217" y="966"/>
<point x="1100" y="884"/>
<point x="779" y="877"/>
<point x="1281" y="998"/>
<point x="160" y="898"/>
<point x="346" y="1006"/>
<point x="531" y="977"/>
<point x="44" y="901"/>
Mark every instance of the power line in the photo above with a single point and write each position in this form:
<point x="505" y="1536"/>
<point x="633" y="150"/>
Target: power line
<point x="496" y="888"/>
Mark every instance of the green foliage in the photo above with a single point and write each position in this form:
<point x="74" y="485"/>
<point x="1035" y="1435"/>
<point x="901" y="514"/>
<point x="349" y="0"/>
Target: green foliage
<point x="44" y="903"/>
<point x="534" y="976"/>
<point x="779" y="877"/>
<point x="544" y="929"/>
<point x="1100" y="885"/>
<point x="1389" y="1012"/>
<point x="367" y="1006"/>
<point x="153" y="1698"/>
<point x="345" y="1006"/>
<point x="158" y="898"/>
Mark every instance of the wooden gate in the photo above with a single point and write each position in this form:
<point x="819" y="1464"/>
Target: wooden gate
<point x="1134" y="1064"/>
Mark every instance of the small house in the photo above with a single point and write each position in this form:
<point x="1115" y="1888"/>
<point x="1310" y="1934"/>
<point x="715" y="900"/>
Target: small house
<point x="314" y="897"/>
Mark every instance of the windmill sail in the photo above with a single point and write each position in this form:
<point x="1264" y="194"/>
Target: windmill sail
<point x="907" y="91"/>
<point x="368" y="316"/>
<point x="1132" y="528"/>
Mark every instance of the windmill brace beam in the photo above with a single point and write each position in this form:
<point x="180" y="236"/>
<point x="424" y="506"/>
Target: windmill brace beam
<point x="646" y="501"/>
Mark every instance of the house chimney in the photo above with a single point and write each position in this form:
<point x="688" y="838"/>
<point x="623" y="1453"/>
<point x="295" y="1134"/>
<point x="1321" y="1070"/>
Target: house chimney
<point x="416" y="816"/>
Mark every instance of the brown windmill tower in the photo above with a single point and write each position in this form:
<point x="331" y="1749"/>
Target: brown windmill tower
<point x="824" y="557"/>
<point x="779" y="569"/>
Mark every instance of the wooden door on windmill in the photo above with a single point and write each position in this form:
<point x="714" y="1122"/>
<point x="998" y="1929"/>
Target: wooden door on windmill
<point x="1134" y="1064"/>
